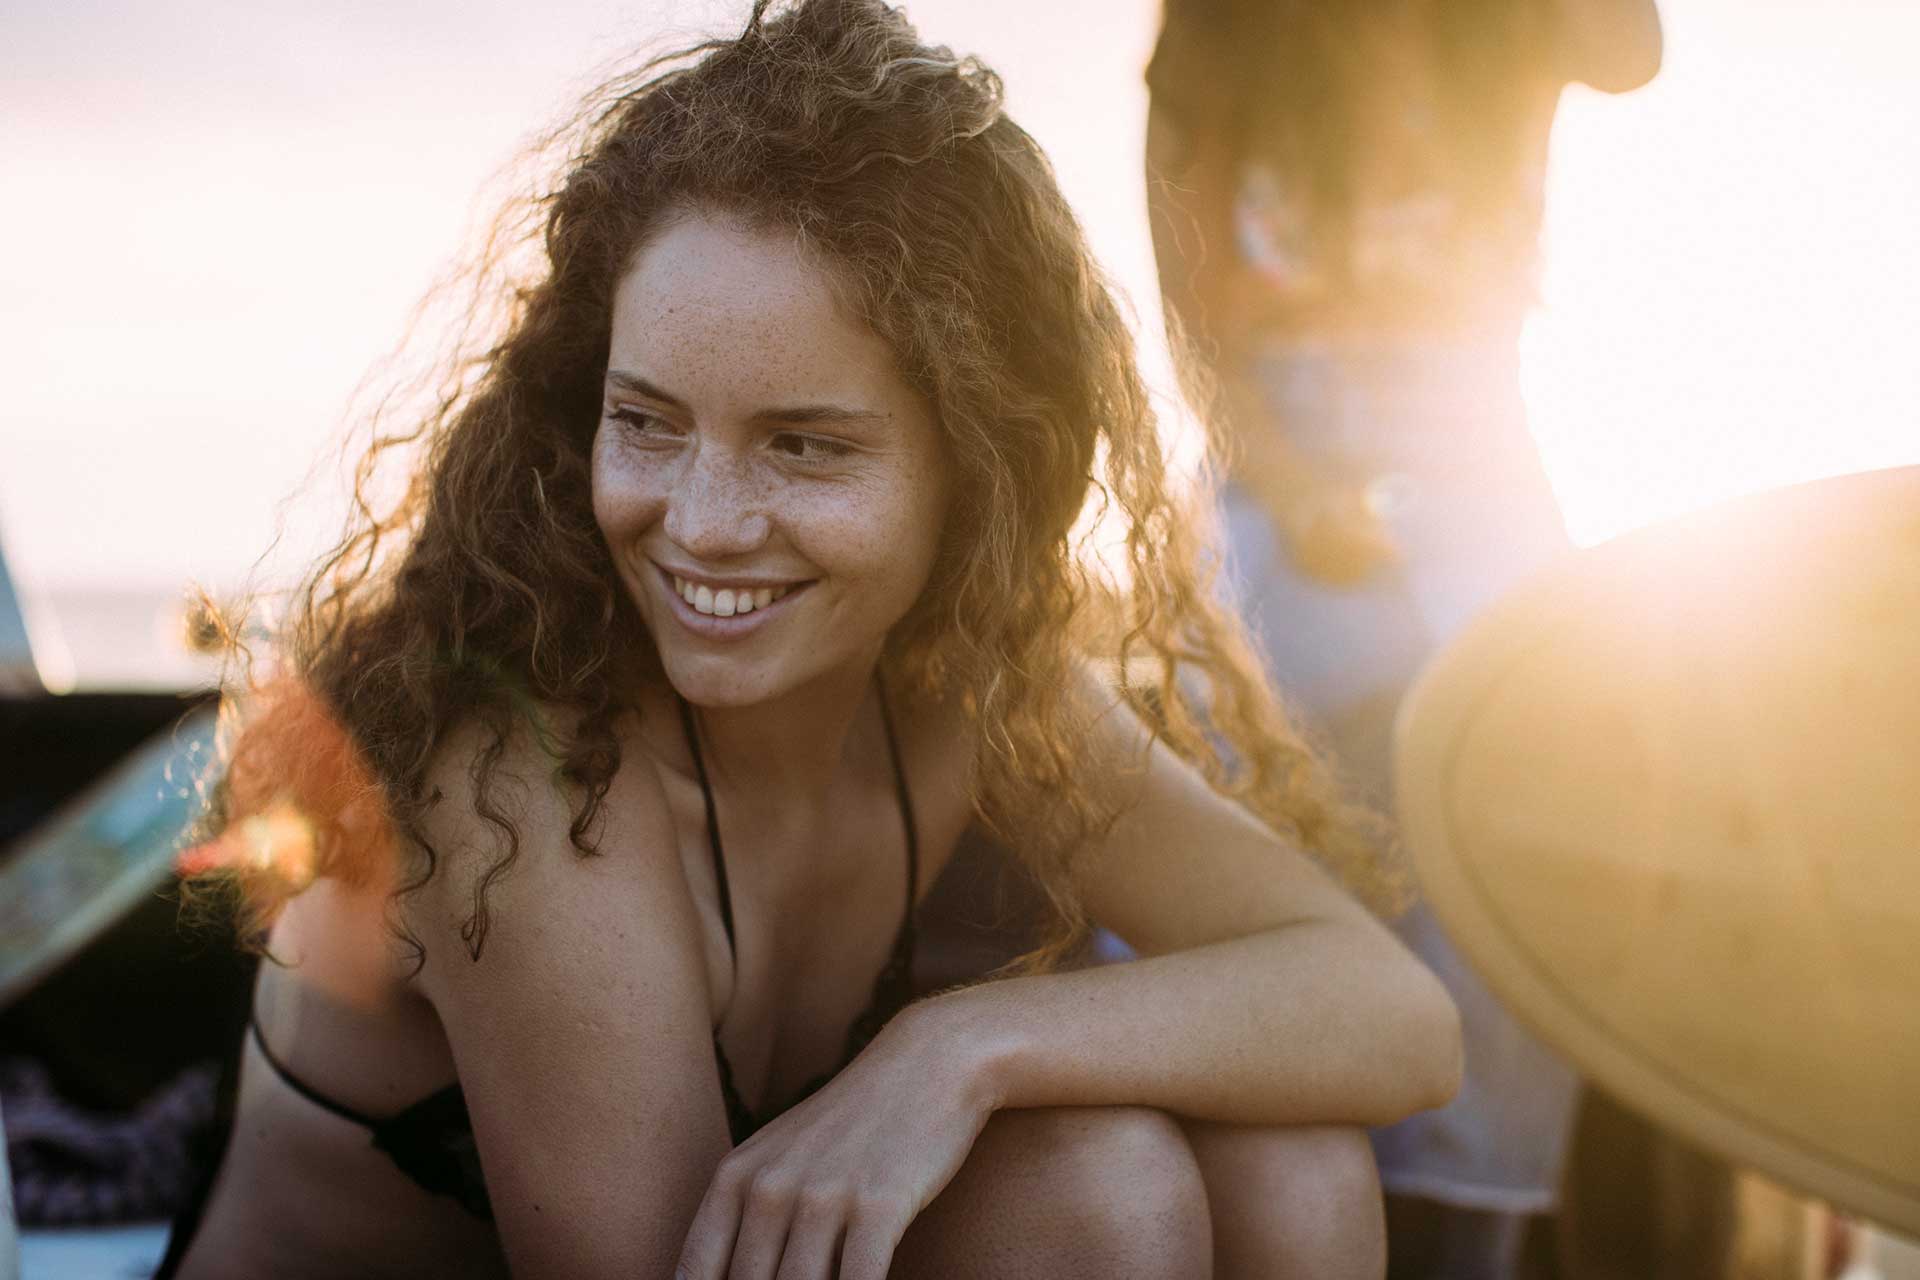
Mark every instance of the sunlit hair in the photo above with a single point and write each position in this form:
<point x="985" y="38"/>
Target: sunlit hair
<point x="485" y="594"/>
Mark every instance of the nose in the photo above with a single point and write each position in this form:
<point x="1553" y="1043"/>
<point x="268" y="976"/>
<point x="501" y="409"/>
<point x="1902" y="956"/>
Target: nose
<point x="717" y="507"/>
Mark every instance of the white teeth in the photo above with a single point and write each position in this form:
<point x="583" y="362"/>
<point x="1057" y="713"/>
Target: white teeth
<point x="727" y="602"/>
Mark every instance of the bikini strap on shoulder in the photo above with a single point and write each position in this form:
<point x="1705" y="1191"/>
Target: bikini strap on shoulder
<point x="304" y="1089"/>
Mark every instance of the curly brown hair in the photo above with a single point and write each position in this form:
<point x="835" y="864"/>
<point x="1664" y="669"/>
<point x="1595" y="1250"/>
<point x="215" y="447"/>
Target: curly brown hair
<point x="485" y="593"/>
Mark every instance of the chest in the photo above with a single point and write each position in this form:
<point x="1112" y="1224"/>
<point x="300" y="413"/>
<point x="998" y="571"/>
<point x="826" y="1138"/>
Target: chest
<point x="816" y="902"/>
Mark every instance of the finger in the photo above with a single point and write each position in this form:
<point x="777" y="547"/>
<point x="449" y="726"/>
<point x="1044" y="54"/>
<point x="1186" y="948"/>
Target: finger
<point x="873" y="1233"/>
<point x="708" y="1250"/>
<point x="765" y="1218"/>
<point x="813" y="1240"/>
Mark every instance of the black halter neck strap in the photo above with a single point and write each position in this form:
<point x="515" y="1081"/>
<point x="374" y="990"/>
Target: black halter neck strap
<point x="892" y="986"/>
<point x="713" y="819"/>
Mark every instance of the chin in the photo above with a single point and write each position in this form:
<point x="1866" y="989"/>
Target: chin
<point x="724" y="681"/>
<point x="709" y="683"/>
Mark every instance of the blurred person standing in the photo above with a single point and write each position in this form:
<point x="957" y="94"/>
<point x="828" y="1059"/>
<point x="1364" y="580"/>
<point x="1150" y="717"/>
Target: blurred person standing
<point x="1346" y="200"/>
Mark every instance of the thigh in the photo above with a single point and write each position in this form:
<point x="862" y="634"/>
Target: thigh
<point x="1064" y="1192"/>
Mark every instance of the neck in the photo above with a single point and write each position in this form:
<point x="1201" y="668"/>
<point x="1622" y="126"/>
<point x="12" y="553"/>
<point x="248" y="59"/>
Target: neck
<point x="795" y="745"/>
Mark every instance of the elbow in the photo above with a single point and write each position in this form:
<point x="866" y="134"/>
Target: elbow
<point x="1447" y="1060"/>
<point x="1432" y="1056"/>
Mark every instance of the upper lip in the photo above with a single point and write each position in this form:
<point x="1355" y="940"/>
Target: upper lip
<point x="719" y="583"/>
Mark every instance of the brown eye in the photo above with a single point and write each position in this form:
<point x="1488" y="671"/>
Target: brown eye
<point x="640" y="423"/>
<point x="810" y="449"/>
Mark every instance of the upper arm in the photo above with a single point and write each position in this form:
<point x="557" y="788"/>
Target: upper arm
<point x="1611" y="45"/>
<point x="1184" y="866"/>
<point x="581" y="1033"/>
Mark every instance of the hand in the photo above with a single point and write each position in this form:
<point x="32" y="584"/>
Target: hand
<point x="829" y="1188"/>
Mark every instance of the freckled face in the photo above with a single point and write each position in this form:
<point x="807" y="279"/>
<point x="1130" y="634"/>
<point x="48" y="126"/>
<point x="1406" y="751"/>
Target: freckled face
<point x="771" y="489"/>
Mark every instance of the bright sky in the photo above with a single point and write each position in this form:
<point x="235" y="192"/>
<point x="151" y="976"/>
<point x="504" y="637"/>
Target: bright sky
<point x="1733" y="290"/>
<point x="218" y="215"/>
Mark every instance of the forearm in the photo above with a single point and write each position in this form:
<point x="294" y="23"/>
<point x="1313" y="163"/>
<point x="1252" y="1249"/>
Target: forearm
<point x="1326" y="1022"/>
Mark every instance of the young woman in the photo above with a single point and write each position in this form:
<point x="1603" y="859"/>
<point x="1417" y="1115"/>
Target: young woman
<point x="736" y="579"/>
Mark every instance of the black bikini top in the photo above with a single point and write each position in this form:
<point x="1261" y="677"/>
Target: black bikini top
<point x="432" y="1140"/>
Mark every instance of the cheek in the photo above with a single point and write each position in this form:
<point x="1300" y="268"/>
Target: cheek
<point x="625" y="494"/>
<point x="928" y="492"/>
<point x="906" y="533"/>
<point x="868" y="531"/>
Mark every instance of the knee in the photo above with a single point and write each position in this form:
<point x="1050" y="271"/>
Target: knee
<point x="1293" y="1201"/>
<point x="1339" y="1214"/>
<point x="1128" y="1188"/>
<point x="1074" y="1191"/>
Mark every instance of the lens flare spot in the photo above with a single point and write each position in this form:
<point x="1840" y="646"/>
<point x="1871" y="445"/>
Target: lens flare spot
<point x="280" y="843"/>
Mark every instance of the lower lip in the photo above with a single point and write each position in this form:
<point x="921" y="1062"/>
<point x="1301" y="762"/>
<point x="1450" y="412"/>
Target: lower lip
<point x="711" y="626"/>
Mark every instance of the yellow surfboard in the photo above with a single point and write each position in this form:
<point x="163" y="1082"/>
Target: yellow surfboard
<point x="1666" y="798"/>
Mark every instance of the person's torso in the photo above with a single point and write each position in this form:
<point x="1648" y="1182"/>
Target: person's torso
<point x="816" y="911"/>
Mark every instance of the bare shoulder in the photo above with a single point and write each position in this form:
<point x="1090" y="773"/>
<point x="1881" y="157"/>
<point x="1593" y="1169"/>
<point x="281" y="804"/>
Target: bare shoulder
<point x="579" y="1021"/>
<point x="500" y="863"/>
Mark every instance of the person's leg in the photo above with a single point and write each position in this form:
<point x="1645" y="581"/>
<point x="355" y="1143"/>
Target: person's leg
<point x="1291" y="1201"/>
<point x="1067" y="1192"/>
<point x="1128" y="1191"/>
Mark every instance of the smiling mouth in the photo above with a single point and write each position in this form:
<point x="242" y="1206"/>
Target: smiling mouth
<point x="726" y="602"/>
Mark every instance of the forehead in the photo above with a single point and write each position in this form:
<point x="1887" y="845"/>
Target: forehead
<point x="707" y="302"/>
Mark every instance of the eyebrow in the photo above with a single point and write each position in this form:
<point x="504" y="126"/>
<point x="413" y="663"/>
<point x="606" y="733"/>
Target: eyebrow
<point x="791" y="415"/>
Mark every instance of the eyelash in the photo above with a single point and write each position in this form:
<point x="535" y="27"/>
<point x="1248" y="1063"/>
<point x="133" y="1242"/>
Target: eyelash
<point x="824" y="450"/>
<point x="827" y="450"/>
<point x="635" y="420"/>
